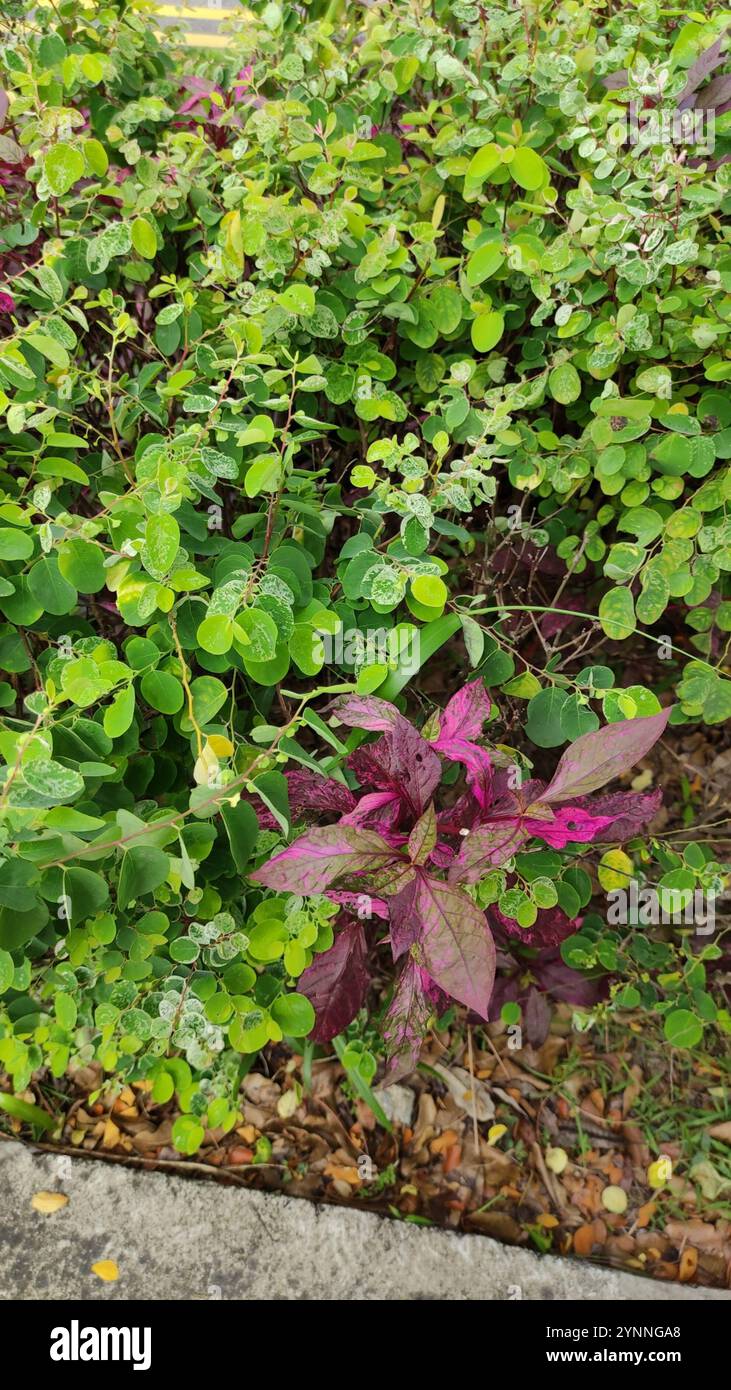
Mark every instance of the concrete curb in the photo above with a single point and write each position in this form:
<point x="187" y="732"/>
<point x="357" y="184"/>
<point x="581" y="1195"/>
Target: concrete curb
<point x="181" y="1239"/>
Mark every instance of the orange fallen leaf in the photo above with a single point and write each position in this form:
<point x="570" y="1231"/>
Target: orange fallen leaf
<point x="342" y="1174"/>
<point x="645" y="1214"/>
<point x="584" y="1240"/>
<point x="444" y="1141"/>
<point x="688" y="1263"/>
<point x="452" y="1158"/>
<point x="546" y="1220"/>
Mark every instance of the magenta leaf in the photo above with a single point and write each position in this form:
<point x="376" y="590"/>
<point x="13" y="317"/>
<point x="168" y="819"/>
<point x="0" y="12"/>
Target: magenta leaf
<point x="569" y="824"/>
<point x="406" y="1023"/>
<point x="455" y="942"/>
<point x="369" y="806"/>
<point x="598" y="757"/>
<point x="460" y="723"/>
<point x="464" y="715"/>
<point x="322" y="855"/>
<point x="336" y="982"/>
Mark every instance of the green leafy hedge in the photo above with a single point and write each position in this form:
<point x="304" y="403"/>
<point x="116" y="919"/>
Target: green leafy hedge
<point x="290" y="336"/>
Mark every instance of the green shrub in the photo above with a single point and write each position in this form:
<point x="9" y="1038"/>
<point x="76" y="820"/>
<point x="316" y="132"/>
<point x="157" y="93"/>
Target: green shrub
<point x="294" y="336"/>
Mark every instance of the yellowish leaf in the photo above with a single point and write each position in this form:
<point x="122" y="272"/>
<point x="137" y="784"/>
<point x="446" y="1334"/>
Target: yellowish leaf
<point x="496" y="1132"/>
<point x="108" y="1270"/>
<point x="48" y="1202"/>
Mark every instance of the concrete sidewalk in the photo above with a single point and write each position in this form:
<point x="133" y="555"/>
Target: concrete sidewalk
<point x="177" y="1238"/>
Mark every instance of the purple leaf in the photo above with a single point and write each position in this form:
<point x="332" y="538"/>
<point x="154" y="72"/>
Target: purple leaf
<point x="598" y="757"/>
<point x="616" y="80"/>
<point x="701" y="69"/>
<point x="486" y="848"/>
<point x="406" y="1023"/>
<point x="404" y="918"/>
<point x="455" y="942"/>
<point x="478" y="764"/>
<point x="368" y="805"/>
<point x="309" y="791"/>
<point x="553" y="975"/>
<point x="537" y="1016"/>
<point x="715" y="94"/>
<point x="320" y="856"/>
<point x="367" y="712"/>
<point x="550" y="928"/>
<point x="631" y="812"/>
<point x="401" y="762"/>
<point x="336" y="982"/>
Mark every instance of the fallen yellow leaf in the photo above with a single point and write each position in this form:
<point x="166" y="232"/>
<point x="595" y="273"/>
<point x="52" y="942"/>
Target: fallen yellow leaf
<point x="614" y="1199"/>
<point x="660" y="1171"/>
<point x="108" y="1270"/>
<point x="48" y="1202"/>
<point x="556" y="1160"/>
<point x="496" y="1132"/>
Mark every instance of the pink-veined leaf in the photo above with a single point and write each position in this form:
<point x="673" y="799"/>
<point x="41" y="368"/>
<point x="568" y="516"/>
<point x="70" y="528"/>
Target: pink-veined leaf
<point x="406" y="1023"/>
<point x="630" y="812"/>
<point x="455" y="943"/>
<point x="464" y="715"/>
<point x="310" y="791"/>
<point x="321" y="856"/>
<point x="363" y="905"/>
<point x="459" y="724"/>
<point x="569" y="824"/>
<point x="401" y="762"/>
<point x="597" y="758"/>
<point x="487" y="847"/>
<point x="367" y="712"/>
<point x="336" y="982"/>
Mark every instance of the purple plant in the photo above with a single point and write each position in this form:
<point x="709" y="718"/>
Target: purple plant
<point x="394" y="855"/>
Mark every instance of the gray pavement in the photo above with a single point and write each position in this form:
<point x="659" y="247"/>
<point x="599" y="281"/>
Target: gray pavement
<point x="178" y="1238"/>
